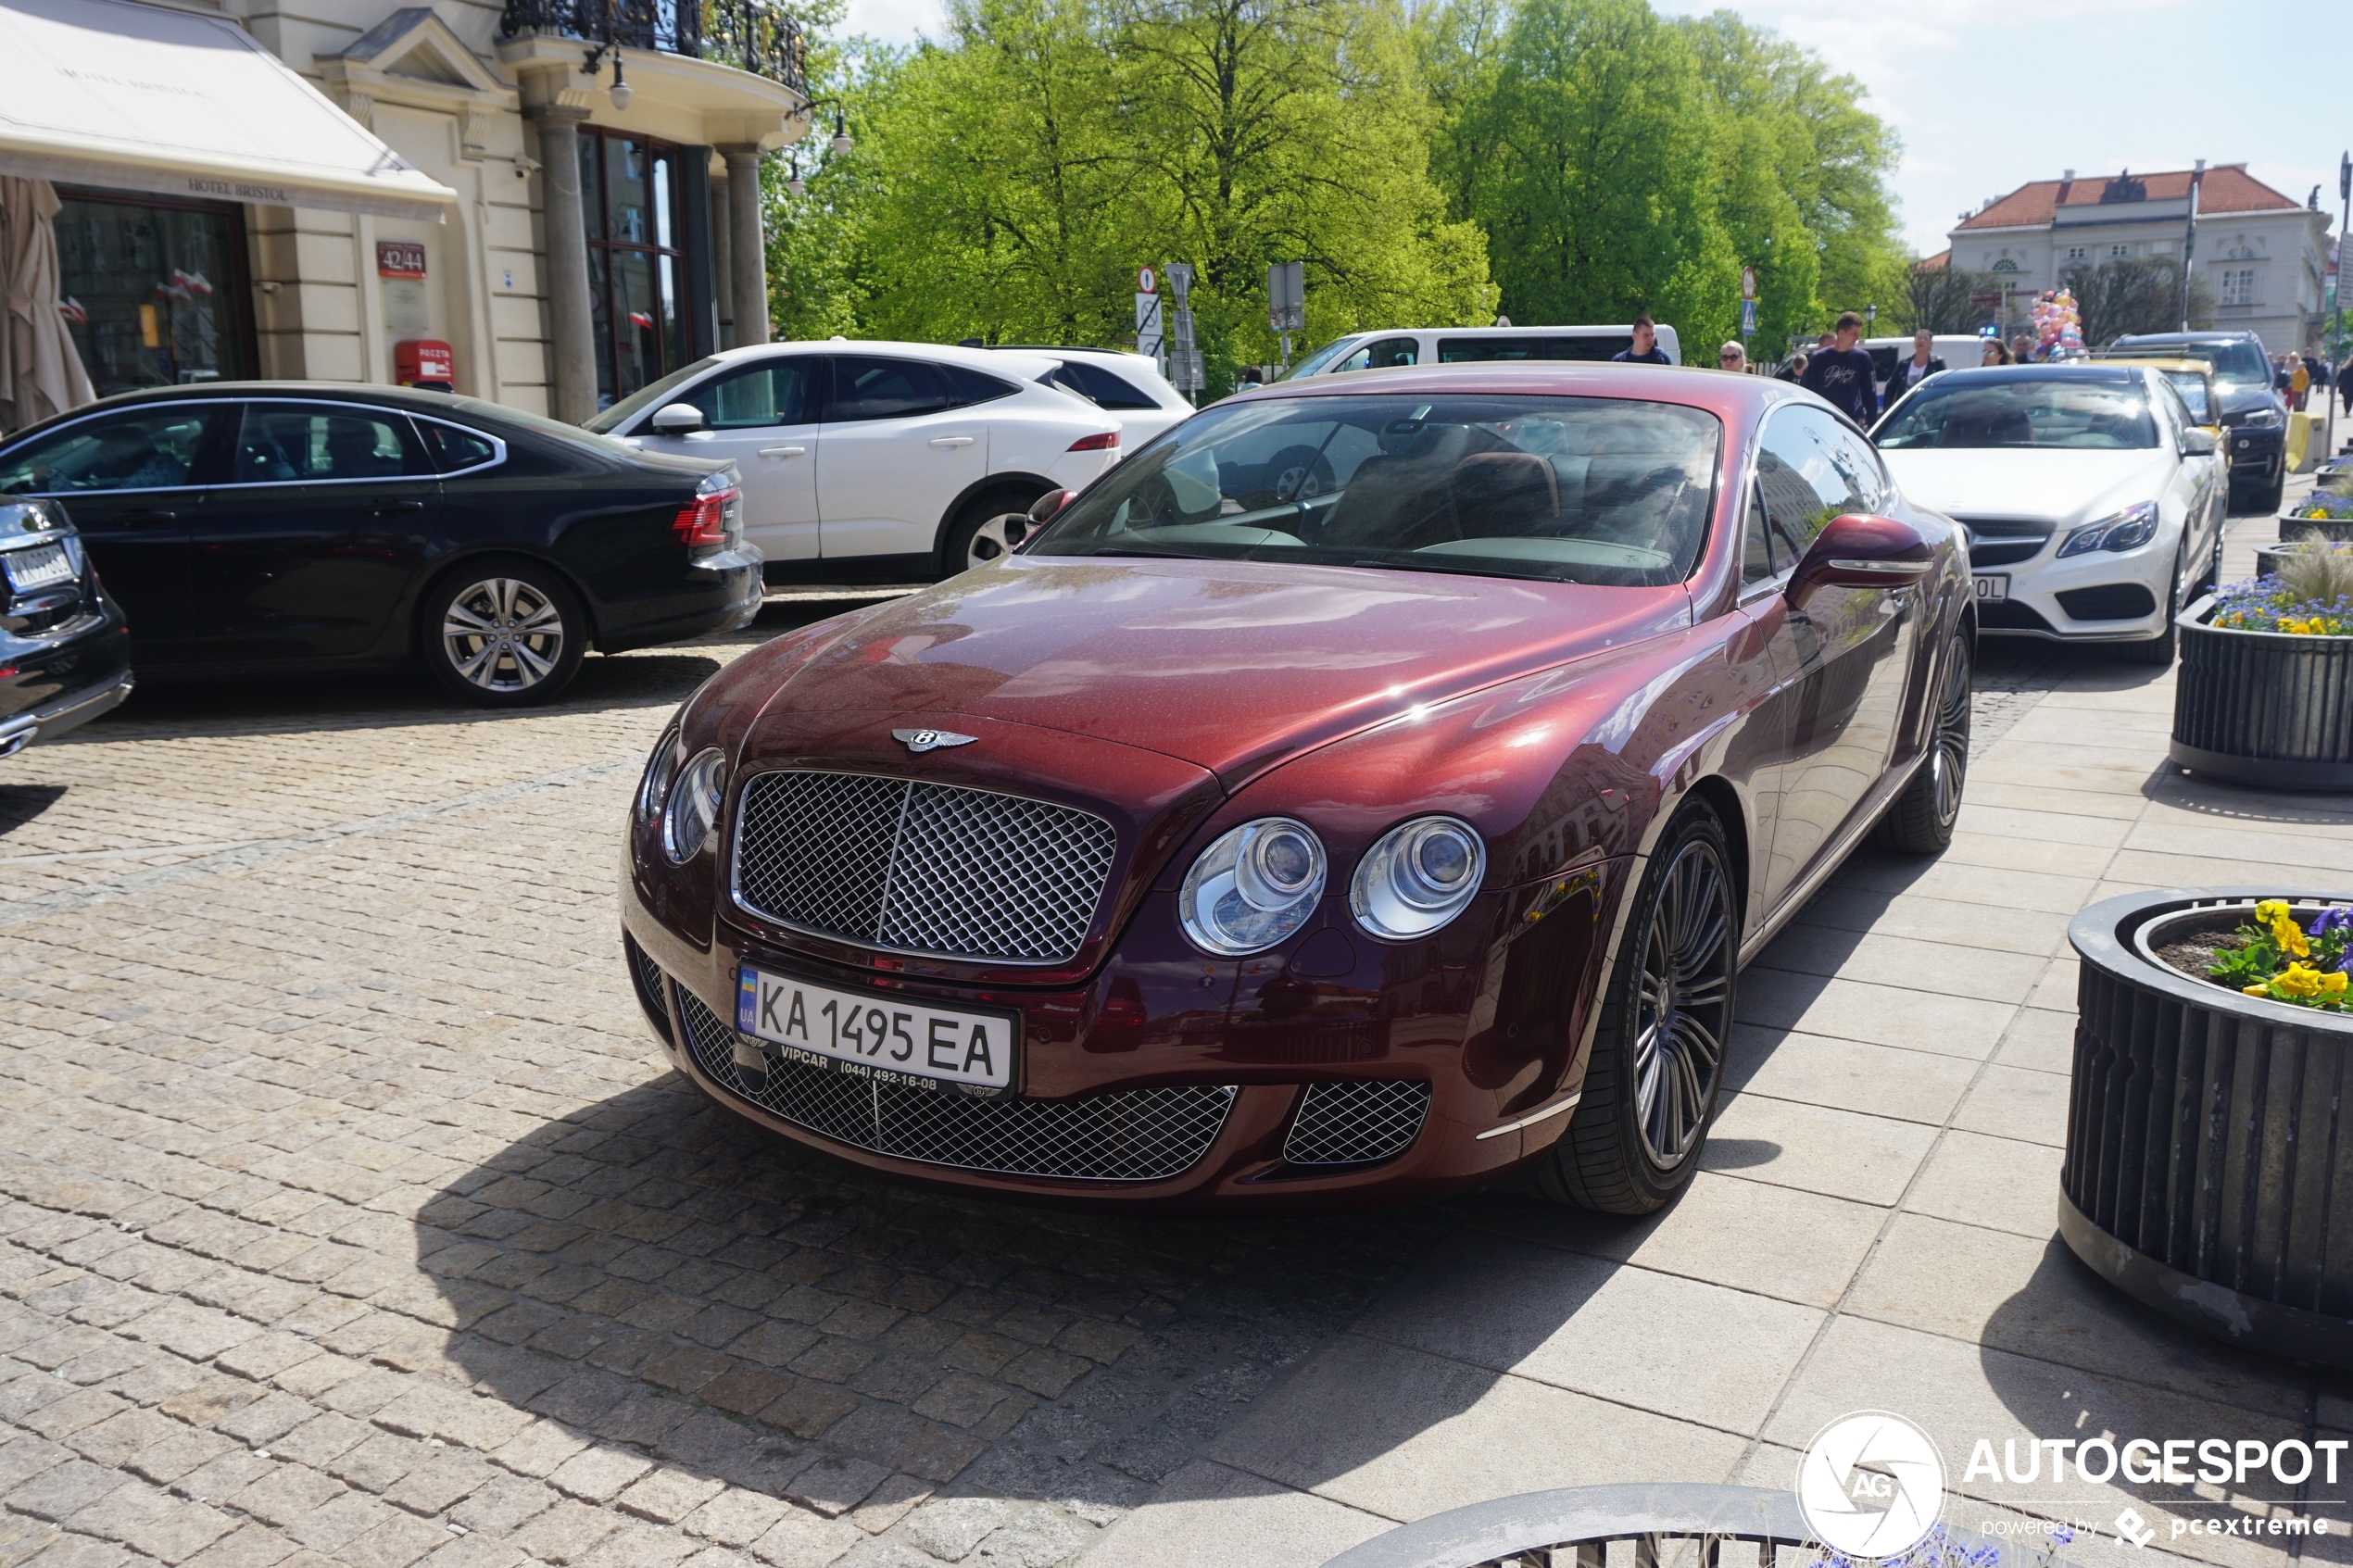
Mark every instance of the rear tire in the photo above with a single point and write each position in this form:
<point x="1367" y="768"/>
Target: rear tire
<point x="1657" y="1064"/>
<point x="989" y="528"/>
<point x="503" y="632"/>
<point x="1920" y="821"/>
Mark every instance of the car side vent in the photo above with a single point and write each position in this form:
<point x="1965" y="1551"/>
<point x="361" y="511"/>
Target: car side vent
<point x="1356" y="1123"/>
<point x="653" y="989"/>
<point x="2110" y="601"/>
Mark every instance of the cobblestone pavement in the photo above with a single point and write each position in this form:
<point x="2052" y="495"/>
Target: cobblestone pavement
<point x="354" y="1216"/>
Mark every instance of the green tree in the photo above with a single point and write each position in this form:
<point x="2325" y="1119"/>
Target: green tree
<point x="1581" y="156"/>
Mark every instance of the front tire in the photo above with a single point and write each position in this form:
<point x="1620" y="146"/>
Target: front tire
<point x="504" y="633"/>
<point x="1635" y="1137"/>
<point x="1920" y="821"/>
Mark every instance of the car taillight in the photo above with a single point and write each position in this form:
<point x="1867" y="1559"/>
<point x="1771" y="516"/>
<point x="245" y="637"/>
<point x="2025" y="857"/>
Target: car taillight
<point x="703" y="520"/>
<point x="1102" y="443"/>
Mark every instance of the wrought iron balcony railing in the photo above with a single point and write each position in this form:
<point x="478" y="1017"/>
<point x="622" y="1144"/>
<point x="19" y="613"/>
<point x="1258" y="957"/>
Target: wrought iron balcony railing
<point x="750" y="35"/>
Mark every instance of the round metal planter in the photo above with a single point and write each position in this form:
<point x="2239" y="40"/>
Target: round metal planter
<point x="2268" y="556"/>
<point x="2295" y="527"/>
<point x="2263" y="708"/>
<point x="2209" y="1168"/>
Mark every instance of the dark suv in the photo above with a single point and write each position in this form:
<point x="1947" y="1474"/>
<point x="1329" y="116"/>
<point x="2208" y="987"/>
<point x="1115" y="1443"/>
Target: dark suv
<point x="2253" y="419"/>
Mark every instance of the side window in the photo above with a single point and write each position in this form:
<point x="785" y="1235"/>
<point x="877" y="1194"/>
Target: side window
<point x="974" y="386"/>
<point x="296" y="443"/>
<point x="2172" y="397"/>
<point x="1759" y="560"/>
<point x="775" y="391"/>
<point x="1393" y="351"/>
<point x="1858" y="460"/>
<point x="885" y="389"/>
<point x="1807" y="474"/>
<point x="151" y="449"/>
<point x="452" y="447"/>
<point x="1107" y="390"/>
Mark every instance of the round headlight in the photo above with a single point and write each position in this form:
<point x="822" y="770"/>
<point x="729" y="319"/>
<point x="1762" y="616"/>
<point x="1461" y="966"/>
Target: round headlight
<point x="693" y="810"/>
<point x="1418" y="877"/>
<point x="654" y="788"/>
<point x="1252" y="887"/>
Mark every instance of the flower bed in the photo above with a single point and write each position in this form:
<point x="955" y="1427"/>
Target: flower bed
<point x="2323" y="512"/>
<point x="2265" y="693"/>
<point x="2207" y="1166"/>
<point x="2284" y="955"/>
<point x="2269" y="558"/>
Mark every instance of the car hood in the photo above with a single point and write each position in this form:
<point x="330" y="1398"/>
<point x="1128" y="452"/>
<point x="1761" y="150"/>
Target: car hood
<point x="2240" y="398"/>
<point x="2014" y="482"/>
<point x="1232" y="666"/>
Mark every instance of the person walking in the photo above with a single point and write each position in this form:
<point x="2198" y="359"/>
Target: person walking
<point x="2300" y="381"/>
<point x="1795" y="370"/>
<point x="2022" y="349"/>
<point x="1910" y="372"/>
<point x="1732" y="357"/>
<point x="1843" y="374"/>
<point x="1995" y="352"/>
<point x="1645" y="350"/>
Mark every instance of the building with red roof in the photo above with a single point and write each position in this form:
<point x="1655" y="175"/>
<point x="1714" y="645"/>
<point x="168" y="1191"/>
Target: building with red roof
<point x="2261" y="251"/>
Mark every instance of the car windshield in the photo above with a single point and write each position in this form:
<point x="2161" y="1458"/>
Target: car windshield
<point x="651" y="395"/>
<point x="2192" y="386"/>
<point x="2235" y="360"/>
<point x="1566" y="489"/>
<point x="2066" y="413"/>
<point x="1315" y="362"/>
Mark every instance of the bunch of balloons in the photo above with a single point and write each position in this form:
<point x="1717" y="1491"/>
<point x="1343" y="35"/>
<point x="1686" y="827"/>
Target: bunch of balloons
<point x="2058" y="327"/>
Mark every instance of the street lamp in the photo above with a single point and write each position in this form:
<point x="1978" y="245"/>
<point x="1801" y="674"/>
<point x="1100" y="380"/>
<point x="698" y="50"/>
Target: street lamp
<point x="841" y="141"/>
<point x="592" y="62"/>
<point x="795" y="186"/>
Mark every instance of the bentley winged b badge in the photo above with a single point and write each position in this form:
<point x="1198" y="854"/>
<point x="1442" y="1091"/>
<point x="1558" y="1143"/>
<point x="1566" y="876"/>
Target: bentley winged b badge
<point x="930" y="740"/>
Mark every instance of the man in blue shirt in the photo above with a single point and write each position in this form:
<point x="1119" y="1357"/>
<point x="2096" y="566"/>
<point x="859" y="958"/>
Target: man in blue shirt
<point x="1646" y="350"/>
<point x="1843" y="374"/>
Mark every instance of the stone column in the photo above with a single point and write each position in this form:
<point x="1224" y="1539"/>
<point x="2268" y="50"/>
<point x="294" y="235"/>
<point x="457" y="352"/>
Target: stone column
<point x="748" y="254"/>
<point x="571" y="321"/>
<point x="722" y="270"/>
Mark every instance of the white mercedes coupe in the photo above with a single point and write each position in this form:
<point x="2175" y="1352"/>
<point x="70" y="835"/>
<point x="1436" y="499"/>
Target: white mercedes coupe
<point x="2092" y="504"/>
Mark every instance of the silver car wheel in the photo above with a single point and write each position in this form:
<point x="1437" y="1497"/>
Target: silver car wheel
<point x="997" y="538"/>
<point x="1682" y="1011"/>
<point x="502" y="635"/>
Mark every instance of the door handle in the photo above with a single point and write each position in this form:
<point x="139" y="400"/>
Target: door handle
<point x="387" y="508"/>
<point x="143" y="518"/>
<point x="783" y="451"/>
<point x="952" y="441"/>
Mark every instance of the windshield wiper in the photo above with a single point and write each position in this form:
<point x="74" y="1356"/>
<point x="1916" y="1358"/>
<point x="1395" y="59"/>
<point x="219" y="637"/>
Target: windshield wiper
<point x="1148" y="551"/>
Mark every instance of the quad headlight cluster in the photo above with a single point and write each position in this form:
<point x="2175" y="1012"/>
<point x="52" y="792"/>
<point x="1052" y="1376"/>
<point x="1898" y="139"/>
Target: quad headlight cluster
<point x="680" y="795"/>
<point x="1259" y="882"/>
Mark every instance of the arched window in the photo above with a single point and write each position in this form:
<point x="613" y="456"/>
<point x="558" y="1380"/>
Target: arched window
<point x="2006" y="265"/>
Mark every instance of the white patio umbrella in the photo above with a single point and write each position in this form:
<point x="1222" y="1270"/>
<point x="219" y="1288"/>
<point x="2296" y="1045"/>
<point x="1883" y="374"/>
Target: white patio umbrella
<point x="41" y="373"/>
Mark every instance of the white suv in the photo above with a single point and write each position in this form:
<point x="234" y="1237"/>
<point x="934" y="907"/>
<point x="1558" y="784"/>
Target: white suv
<point x="876" y="462"/>
<point x="1129" y="385"/>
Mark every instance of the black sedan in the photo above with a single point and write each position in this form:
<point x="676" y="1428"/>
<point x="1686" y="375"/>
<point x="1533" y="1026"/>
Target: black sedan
<point x="266" y="525"/>
<point x="64" y="658"/>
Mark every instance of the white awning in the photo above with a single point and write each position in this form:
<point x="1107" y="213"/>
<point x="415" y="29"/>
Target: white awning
<point x="136" y="97"/>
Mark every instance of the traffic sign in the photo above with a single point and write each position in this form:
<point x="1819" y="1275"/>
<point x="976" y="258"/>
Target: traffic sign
<point x="1145" y="281"/>
<point x="1148" y="332"/>
<point x="1287" y="296"/>
<point x="1748" y="317"/>
<point x="1748" y="282"/>
<point x="1181" y="279"/>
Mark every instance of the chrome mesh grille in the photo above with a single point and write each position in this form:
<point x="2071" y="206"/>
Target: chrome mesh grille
<point x="921" y="868"/>
<point x="1354" y="1123"/>
<point x="1130" y="1136"/>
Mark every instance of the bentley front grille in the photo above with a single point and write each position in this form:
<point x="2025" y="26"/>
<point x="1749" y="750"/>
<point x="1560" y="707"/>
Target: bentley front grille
<point x="1127" y="1135"/>
<point x="1355" y="1123"/>
<point x="927" y="869"/>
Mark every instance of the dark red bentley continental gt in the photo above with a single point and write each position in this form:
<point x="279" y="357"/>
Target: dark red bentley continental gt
<point x="1368" y="788"/>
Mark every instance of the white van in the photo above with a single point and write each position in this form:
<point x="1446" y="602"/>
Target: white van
<point x="1958" y="350"/>
<point x="1470" y="345"/>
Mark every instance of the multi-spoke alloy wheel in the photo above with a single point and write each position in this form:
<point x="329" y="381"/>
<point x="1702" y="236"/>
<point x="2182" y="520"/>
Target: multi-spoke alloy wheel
<point x="504" y="633"/>
<point x="997" y="537"/>
<point x="1920" y="822"/>
<point x="1659" y="1050"/>
<point x="1680" y="1010"/>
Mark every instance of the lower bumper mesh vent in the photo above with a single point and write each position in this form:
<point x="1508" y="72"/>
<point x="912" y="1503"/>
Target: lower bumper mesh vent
<point x="1356" y="1123"/>
<point x="650" y="994"/>
<point x="1130" y="1136"/>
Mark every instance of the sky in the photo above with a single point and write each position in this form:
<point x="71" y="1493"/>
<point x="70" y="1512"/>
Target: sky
<point x="1988" y="95"/>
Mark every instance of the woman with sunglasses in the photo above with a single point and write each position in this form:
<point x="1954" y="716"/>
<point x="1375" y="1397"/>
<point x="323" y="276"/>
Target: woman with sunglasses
<point x="1732" y="357"/>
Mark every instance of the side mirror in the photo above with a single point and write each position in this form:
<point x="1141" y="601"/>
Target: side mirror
<point x="2197" y="442"/>
<point x="676" y="419"/>
<point x="1857" y="550"/>
<point x="1046" y="506"/>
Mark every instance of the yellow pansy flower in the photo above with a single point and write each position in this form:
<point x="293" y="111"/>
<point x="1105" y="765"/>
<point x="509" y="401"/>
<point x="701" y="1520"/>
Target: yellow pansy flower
<point x="2269" y="909"/>
<point x="2262" y="990"/>
<point x="2334" y="984"/>
<point x="2301" y="980"/>
<point x="2290" y="937"/>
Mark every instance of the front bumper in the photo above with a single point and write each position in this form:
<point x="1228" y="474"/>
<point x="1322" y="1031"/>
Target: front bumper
<point x="2254" y="450"/>
<point x="2041" y="588"/>
<point x="1478" y="1030"/>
